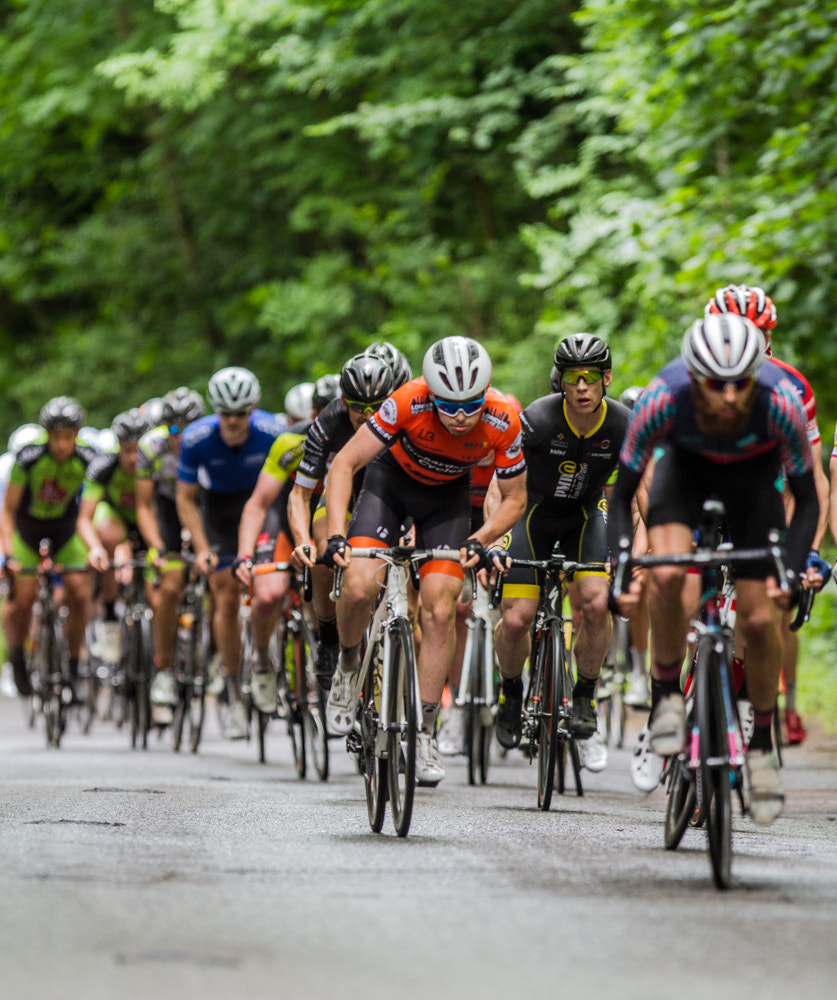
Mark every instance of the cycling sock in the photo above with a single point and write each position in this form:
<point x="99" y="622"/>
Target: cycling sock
<point x="429" y="715"/>
<point x="762" y="732"/>
<point x="513" y="686"/>
<point x="17" y="657"/>
<point x="790" y="696"/>
<point x="585" y="687"/>
<point x="72" y="663"/>
<point x="639" y="662"/>
<point x="738" y="680"/>
<point x="265" y="666"/>
<point x="110" y="611"/>
<point x="659" y="689"/>
<point x="349" y="659"/>
<point x="233" y="687"/>
<point x="327" y="630"/>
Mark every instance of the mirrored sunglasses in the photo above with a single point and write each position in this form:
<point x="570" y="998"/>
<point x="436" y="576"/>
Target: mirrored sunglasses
<point x="450" y="407"/>
<point x="593" y="375"/>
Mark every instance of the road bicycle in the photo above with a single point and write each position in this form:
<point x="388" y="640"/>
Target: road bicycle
<point x="384" y="736"/>
<point x="301" y="702"/>
<point x="48" y="658"/>
<point x="192" y="651"/>
<point x="712" y="764"/>
<point x="136" y="656"/>
<point x="547" y="706"/>
<point x="477" y="686"/>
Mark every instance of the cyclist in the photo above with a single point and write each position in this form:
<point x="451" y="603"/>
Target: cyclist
<point x="160" y="527"/>
<point x="401" y="369"/>
<point x="299" y="402"/>
<point x="730" y="424"/>
<point x="752" y="302"/>
<point x="225" y="451"/>
<point x="42" y="502"/>
<point x="108" y="516"/>
<point x="264" y="535"/>
<point x="365" y="382"/>
<point x="571" y="441"/>
<point x="417" y="451"/>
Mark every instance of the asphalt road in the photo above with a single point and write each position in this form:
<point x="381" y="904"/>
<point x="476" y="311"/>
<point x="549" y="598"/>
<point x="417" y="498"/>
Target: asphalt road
<point x="131" y="874"/>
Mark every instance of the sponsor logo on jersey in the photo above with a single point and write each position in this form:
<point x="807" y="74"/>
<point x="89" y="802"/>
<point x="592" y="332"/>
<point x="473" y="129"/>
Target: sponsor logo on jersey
<point x="51" y="492"/>
<point x="495" y="418"/>
<point x="388" y="411"/>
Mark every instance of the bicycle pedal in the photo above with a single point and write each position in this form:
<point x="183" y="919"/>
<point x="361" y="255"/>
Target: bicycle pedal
<point x="354" y="744"/>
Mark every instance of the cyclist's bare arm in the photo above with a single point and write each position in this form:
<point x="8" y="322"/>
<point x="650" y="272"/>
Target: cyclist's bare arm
<point x="299" y="520"/>
<point x="96" y="556"/>
<point x="252" y="518"/>
<point x="190" y="517"/>
<point x="14" y="494"/>
<point x="352" y="457"/>
<point x="508" y="506"/>
<point x="146" y="517"/>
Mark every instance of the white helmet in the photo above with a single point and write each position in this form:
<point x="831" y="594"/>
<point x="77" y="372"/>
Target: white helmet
<point x="24" y="435"/>
<point x="724" y="346"/>
<point x="233" y="389"/>
<point x="298" y="401"/>
<point x="457" y="368"/>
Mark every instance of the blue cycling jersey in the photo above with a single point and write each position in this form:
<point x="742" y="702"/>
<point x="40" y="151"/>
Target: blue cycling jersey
<point x="221" y="468"/>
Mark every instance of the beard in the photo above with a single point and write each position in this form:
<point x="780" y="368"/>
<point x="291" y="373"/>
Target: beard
<point x="713" y="423"/>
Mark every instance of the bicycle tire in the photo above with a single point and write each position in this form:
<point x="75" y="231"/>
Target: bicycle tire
<point x="139" y="707"/>
<point x="547" y="690"/>
<point x="403" y="720"/>
<point x="294" y="719"/>
<point x="681" y="802"/>
<point x="53" y="705"/>
<point x="200" y="652"/>
<point x="372" y="766"/>
<point x="475" y="749"/>
<point x="312" y="701"/>
<point x="715" y="775"/>
<point x="183" y="680"/>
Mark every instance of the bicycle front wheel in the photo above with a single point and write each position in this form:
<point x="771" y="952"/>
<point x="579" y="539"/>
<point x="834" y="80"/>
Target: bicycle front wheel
<point x="681" y="802"/>
<point x="477" y="732"/>
<point x="714" y="763"/>
<point x="547" y="703"/>
<point x="403" y="723"/>
<point x="311" y="701"/>
<point x="373" y="766"/>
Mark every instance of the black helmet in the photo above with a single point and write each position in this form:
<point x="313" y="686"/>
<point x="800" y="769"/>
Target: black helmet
<point x="555" y="379"/>
<point x="181" y="406"/>
<point x="129" y="426"/>
<point x="401" y="370"/>
<point x="326" y="389"/>
<point x="366" y="379"/>
<point x="582" y="349"/>
<point x="62" y="412"/>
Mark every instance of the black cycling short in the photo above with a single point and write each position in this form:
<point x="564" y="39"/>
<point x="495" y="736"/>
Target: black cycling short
<point x="169" y="523"/>
<point x="221" y="516"/>
<point x="389" y="498"/>
<point x="581" y="532"/>
<point x="751" y="492"/>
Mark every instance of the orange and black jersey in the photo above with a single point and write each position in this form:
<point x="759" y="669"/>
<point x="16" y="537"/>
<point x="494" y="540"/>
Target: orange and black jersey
<point x="565" y="466"/>
<point x="408" y="425"/>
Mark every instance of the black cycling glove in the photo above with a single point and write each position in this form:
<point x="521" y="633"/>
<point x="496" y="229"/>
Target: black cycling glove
<point x="475" y="548"/>
<point x="337" y="545"/>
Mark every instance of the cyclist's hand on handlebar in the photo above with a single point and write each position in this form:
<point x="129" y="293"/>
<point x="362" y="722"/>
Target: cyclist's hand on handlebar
<point x="783" y="598"/>
<point x="9" y="566"/>
<point x="241" y="568"/>
<point x="98" y="559"/>
<point x="628" y="600"/>
<point x="205" y="561"/>
<point x="472" y="554"/>
<point x="817" y="572"/>
<point x="338" y="552"/>
<point x="302" y="555"/>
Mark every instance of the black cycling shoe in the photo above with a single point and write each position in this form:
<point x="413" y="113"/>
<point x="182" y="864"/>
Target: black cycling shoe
<point x="509" y="718"/>
<point x="21" y="676"/>
<point x="584" y="722"/>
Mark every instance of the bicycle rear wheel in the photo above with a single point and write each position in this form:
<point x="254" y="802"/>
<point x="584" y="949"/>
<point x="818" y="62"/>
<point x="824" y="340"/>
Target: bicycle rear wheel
<point x="373" y="766"/>
<point x="714" y="763"/>
<point x="547" y="696"/>
<point x="53" y="704"/>
<point x="403" y="723"/>
<point x="293" y="660"/>
<point x="138" y="654"/>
